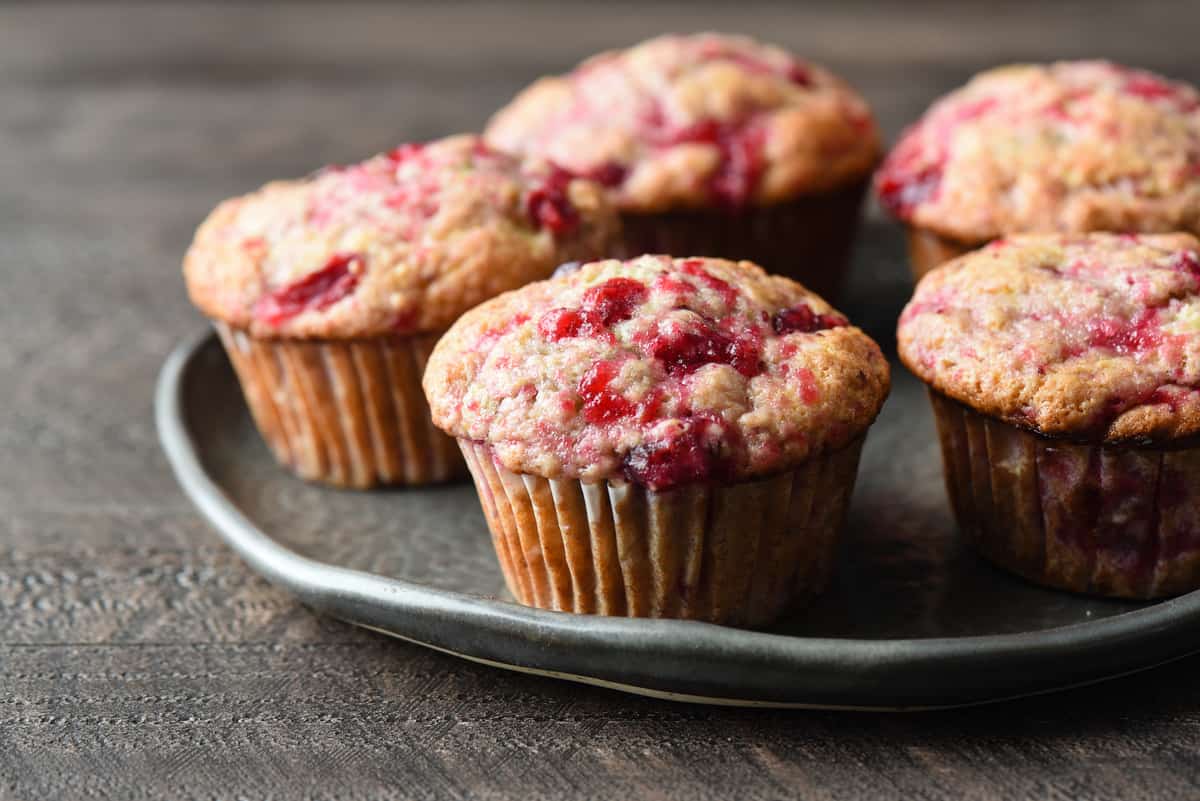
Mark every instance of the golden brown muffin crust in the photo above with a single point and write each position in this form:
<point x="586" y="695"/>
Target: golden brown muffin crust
<point x="1095" y="336"/>
<point x="403" y="242"/>
<point x="695" y="121"/>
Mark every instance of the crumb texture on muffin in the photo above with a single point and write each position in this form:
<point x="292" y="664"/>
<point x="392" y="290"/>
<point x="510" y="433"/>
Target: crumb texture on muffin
<point x="695" y="121"/>
<point x="1089" y="335"/>
<point x="403" y="242"/>
<point x="662" y="371"/>
<point x="1069" y="147"/>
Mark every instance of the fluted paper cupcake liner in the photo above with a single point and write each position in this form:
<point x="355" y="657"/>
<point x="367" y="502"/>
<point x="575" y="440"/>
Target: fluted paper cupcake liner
<point x="346" y="413"/>
<point x="927" y="250"/>
<point x="738" y="554"/>
<point x="808" y="239"/>
<point x="1091" y="518"/>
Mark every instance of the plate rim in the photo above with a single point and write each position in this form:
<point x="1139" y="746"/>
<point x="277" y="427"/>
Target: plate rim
<point x="681" y="660"/>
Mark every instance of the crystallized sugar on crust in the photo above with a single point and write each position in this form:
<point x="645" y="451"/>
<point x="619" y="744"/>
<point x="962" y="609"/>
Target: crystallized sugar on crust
<point x="1069" y="147"/>
<point x="403" y="242"/>
<point x="666" y="372"/>
<point x="695" y="121"/>
<point x="1095" y="336"/>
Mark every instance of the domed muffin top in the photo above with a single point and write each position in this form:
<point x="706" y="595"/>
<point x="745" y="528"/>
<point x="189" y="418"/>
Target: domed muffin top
<point x="1095" y="336"/>
<point x="1068" y="147"/>
<point x="695" y="121"/>
<point x="403" y="242"/>
<point x="662" y="371"/>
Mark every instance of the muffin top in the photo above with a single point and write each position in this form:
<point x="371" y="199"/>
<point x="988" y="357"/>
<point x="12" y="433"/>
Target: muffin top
<point x="1085" y="335"/>
<point x="662" y="371"/>
<point x="695" y="121"/>
<point x="1069" y="147"/>
<point x="403" y="242"/>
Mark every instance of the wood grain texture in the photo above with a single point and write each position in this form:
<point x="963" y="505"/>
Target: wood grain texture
<point x="140" y="659"/>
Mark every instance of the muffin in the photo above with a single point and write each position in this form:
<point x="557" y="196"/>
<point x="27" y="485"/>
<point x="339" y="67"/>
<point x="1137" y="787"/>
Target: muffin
<point x="1070" y="147"/>
<point x="330" y="292"/>
<point x="1065" y="376"/>
<point x="660" y="437"/>
<point x="710" y="145"/>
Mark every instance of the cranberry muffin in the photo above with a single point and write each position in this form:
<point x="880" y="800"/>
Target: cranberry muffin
<point x="660" y="437"/>
<point x="1070" y="147"/>
<point x="330" y="292"/>
<point x="710" y="145"/>
<point x="1065" y="376"/>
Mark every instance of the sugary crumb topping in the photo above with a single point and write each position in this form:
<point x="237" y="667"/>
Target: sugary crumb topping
<point x="405" y="241"/>
<point x="662" y="371"/>
<point x="1086" y="335"/>
<point x="695" y="121"/>
<point x="1070" y="147"/>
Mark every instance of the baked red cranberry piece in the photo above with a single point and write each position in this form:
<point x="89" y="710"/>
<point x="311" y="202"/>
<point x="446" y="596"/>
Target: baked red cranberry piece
<point x="741" y="155"/>
<point x="558" y="324"/>
<point x="548" y="205"/>
<point x="615" y="299"/>
<point x="405" y="152"/>
<point x="901" y="191"/>
<point x="1187" y="262"/>
<point x="666" y="282"/>
<point x="741" y="165"/>
<point x="609" y="174"/>
<point x="801" y="318"/>
<point x="706" y="131"/>
<point x="695" y="268"/>
<point x="601" y="403"/>
<point x="745" y="353"/>
<point x="810" y="393"/>
<point x="651" y="406"/>
<point x="406" y="321"/>
<point x="690" y="455"/>
<point x="1126" y="337"/>
<point x="799" y="74"/>
<point x="315" y="291"/>
<point x="1149" y="87"/>
<point x="686" y="349"/>
<point x="682" y="350"/>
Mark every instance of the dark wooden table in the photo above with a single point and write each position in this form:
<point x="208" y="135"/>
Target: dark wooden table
<point x="139" y="658"/>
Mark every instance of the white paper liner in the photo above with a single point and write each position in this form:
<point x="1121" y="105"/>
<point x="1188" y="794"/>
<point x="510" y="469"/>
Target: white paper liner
<point x="738" y="554"/>
<point x="1091" y="518"/>
<point x="350" y="413"/>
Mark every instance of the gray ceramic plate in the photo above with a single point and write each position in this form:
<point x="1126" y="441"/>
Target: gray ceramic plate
<point x="912" y="620"/>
